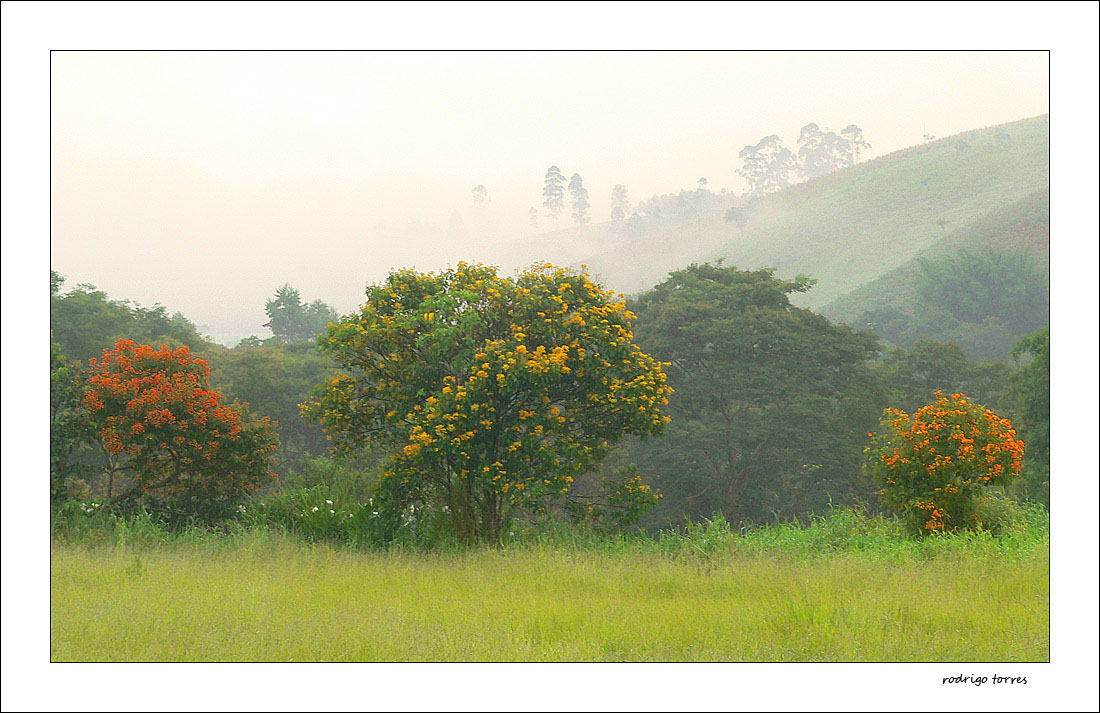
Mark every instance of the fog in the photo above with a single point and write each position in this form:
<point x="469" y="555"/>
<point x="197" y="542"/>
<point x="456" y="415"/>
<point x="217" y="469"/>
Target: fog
<point x="203" y="181"/>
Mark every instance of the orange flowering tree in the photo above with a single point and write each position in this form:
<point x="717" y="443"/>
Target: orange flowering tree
<point x="490" y="393"/>
<point x="183" y="451"/>
<point x="936" y="465"/>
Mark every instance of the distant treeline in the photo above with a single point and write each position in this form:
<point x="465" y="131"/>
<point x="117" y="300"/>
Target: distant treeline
<point x="984" y="300"/>
<point x="767" y="166"/>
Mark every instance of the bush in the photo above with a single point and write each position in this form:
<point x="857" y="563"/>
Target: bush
<point x="310" y="512"/>
<point x="94" y="522"/>
<point x="999" y="514"/>
<point x="936" y="466"/>
<point x="345" y="479"/>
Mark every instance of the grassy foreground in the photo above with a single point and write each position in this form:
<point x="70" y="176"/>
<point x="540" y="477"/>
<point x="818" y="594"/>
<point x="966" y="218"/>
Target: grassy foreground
<point x="261" y="595"/>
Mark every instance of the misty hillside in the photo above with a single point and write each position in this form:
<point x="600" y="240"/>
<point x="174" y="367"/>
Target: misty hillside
<point x="1023" y="225"/>
<point x="845" y="229"/>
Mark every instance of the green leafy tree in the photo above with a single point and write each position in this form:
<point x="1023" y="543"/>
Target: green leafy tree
<point x="274" y="379"/>
<point x="581" y="206"/>
<point x="318" y="316"/>
<point x="292" y="321"/>
<point x="820" y="151"/>
<point x="771" y="402"/>
<point x="490" y="394"/>
<point x="1007" y="285"/>
<point x="985" y="301"/>
<point x="71" y="431"/>
<point x="1029" y="400"/>
<point x="553" y="192"/>
<point x="856" y="144"/>
<point x="286" y="315"/>
<point x="481" y="195"/>
<point x="620" y="203"/>
<point x="912" y="377"/>
<point x="84" y="321"/>
<point x="768" y="166"/>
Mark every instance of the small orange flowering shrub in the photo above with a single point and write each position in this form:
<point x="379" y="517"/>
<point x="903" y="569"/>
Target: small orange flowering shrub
<point x="937" y="465"/>
<point x="185" y="452"/>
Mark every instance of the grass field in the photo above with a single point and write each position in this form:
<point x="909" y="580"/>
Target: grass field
<point x="711" y="595"/>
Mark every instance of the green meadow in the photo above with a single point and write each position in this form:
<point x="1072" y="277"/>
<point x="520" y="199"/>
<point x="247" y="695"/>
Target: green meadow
<point x="844" y="588"/>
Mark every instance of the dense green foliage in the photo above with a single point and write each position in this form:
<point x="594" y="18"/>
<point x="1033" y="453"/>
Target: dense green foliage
<point x="71" y="430"/>
<point x="771" y="411"/>
<point x="820" y="151"/>
<point x="768" y="166"/>
<point x="85" y="322"/>
<point x="912" y="378"/>
<point x="984" y="301"/>
<point x="274" y="379"/>
<point x="1029" y="400"/>
<point x="771" y="403"/>
<point x="1008" y="287"/>
<point x="292" y="321"/>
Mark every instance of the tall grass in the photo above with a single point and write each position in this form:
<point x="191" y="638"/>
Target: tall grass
<point x="842" y="588"/>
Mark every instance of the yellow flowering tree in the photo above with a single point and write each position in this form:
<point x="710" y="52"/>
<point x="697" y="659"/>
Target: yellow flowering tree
<point x="490" y="393"/>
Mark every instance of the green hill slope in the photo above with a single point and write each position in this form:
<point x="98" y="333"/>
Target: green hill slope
<point x="845" y="229"/>
<point x="1023" y="225"/>
<point x="983" y="287"/>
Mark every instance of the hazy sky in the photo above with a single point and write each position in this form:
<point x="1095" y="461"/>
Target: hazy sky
<point x="203" y="181"/>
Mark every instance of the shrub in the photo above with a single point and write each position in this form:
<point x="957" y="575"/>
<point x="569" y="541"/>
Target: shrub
<point x="999" y="514"/>
<point x="344" y="479"/>
<point x="310" y="512"/>
<point x="936" y="466"/>
<point x="323" y="513"/>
